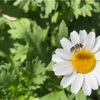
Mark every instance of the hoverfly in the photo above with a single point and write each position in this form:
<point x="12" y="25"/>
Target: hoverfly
<point x="76" y="47"/>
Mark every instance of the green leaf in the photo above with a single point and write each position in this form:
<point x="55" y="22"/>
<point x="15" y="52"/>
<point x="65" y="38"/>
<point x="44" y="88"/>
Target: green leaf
<point x="75" y="4"/>
<point x="34" y="72"/>
<point x="83" y="8"/>
<point x="33" y="98"/>
<point x="2" y="22"/>
<point x="63" y="30"/>
<point x="2" y="54"/>
<point x="26" y="97"/>
<point x="80" y="96"/>
<point x="71" y="96"/>
<point x="39" y="33"/>
<point x="54" y="17"/>
<point x="7" y="77"/>
<point x="39" y="67"/>
<point x="86" y="10"/>
<point x="49" y="6"/>
<point x="58" y="95"/>
<point x="25" y="28"/>
<point x="19" y="28"/>
<point x="19" y="52"/>
<point x="23" y="4"/>
<point x="39" y="79"/>
<point x="30" y="33"/>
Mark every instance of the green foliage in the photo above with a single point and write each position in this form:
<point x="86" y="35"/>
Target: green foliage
<point x="55" y="96"/>
<point x="80" y="96"/>
<point x="63" y="32"/>
<point x="19" y="51"/>
<point x="27" y="44"/>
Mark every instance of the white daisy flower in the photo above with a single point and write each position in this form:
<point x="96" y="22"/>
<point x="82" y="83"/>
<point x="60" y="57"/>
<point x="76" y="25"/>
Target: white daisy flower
<point x="79" y="62"/>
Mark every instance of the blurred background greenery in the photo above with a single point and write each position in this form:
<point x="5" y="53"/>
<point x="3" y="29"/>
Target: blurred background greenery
<point x="27" y="44"/>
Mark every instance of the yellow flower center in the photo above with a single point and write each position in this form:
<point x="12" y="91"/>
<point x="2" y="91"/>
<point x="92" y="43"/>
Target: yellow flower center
<point x="83" y="61"/>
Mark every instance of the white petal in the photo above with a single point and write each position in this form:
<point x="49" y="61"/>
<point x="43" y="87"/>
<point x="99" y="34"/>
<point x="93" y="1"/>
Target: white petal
<point x="56" y="58"/>
<point x="97" y="67"/>
<point x="77" y="83"/>
<point x="98" y="38"/>
<point x="97" y="45"/>
<point x="97" y="55"/>
<point x="74" y="37"/>
<point x="63" y="54"/>
<point x="83" y="35"/>
<point x="62" y="68"/>
<point x="88" y="44"/>
<point x="68" y="79"/>
<point x="97" y="75"/>
<point x="66" y="44"/>
<point x="86" y="88"/>
<point x="98" y="63"/>
<point x="60" y="64"/>
<point x="92" y="81"/>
